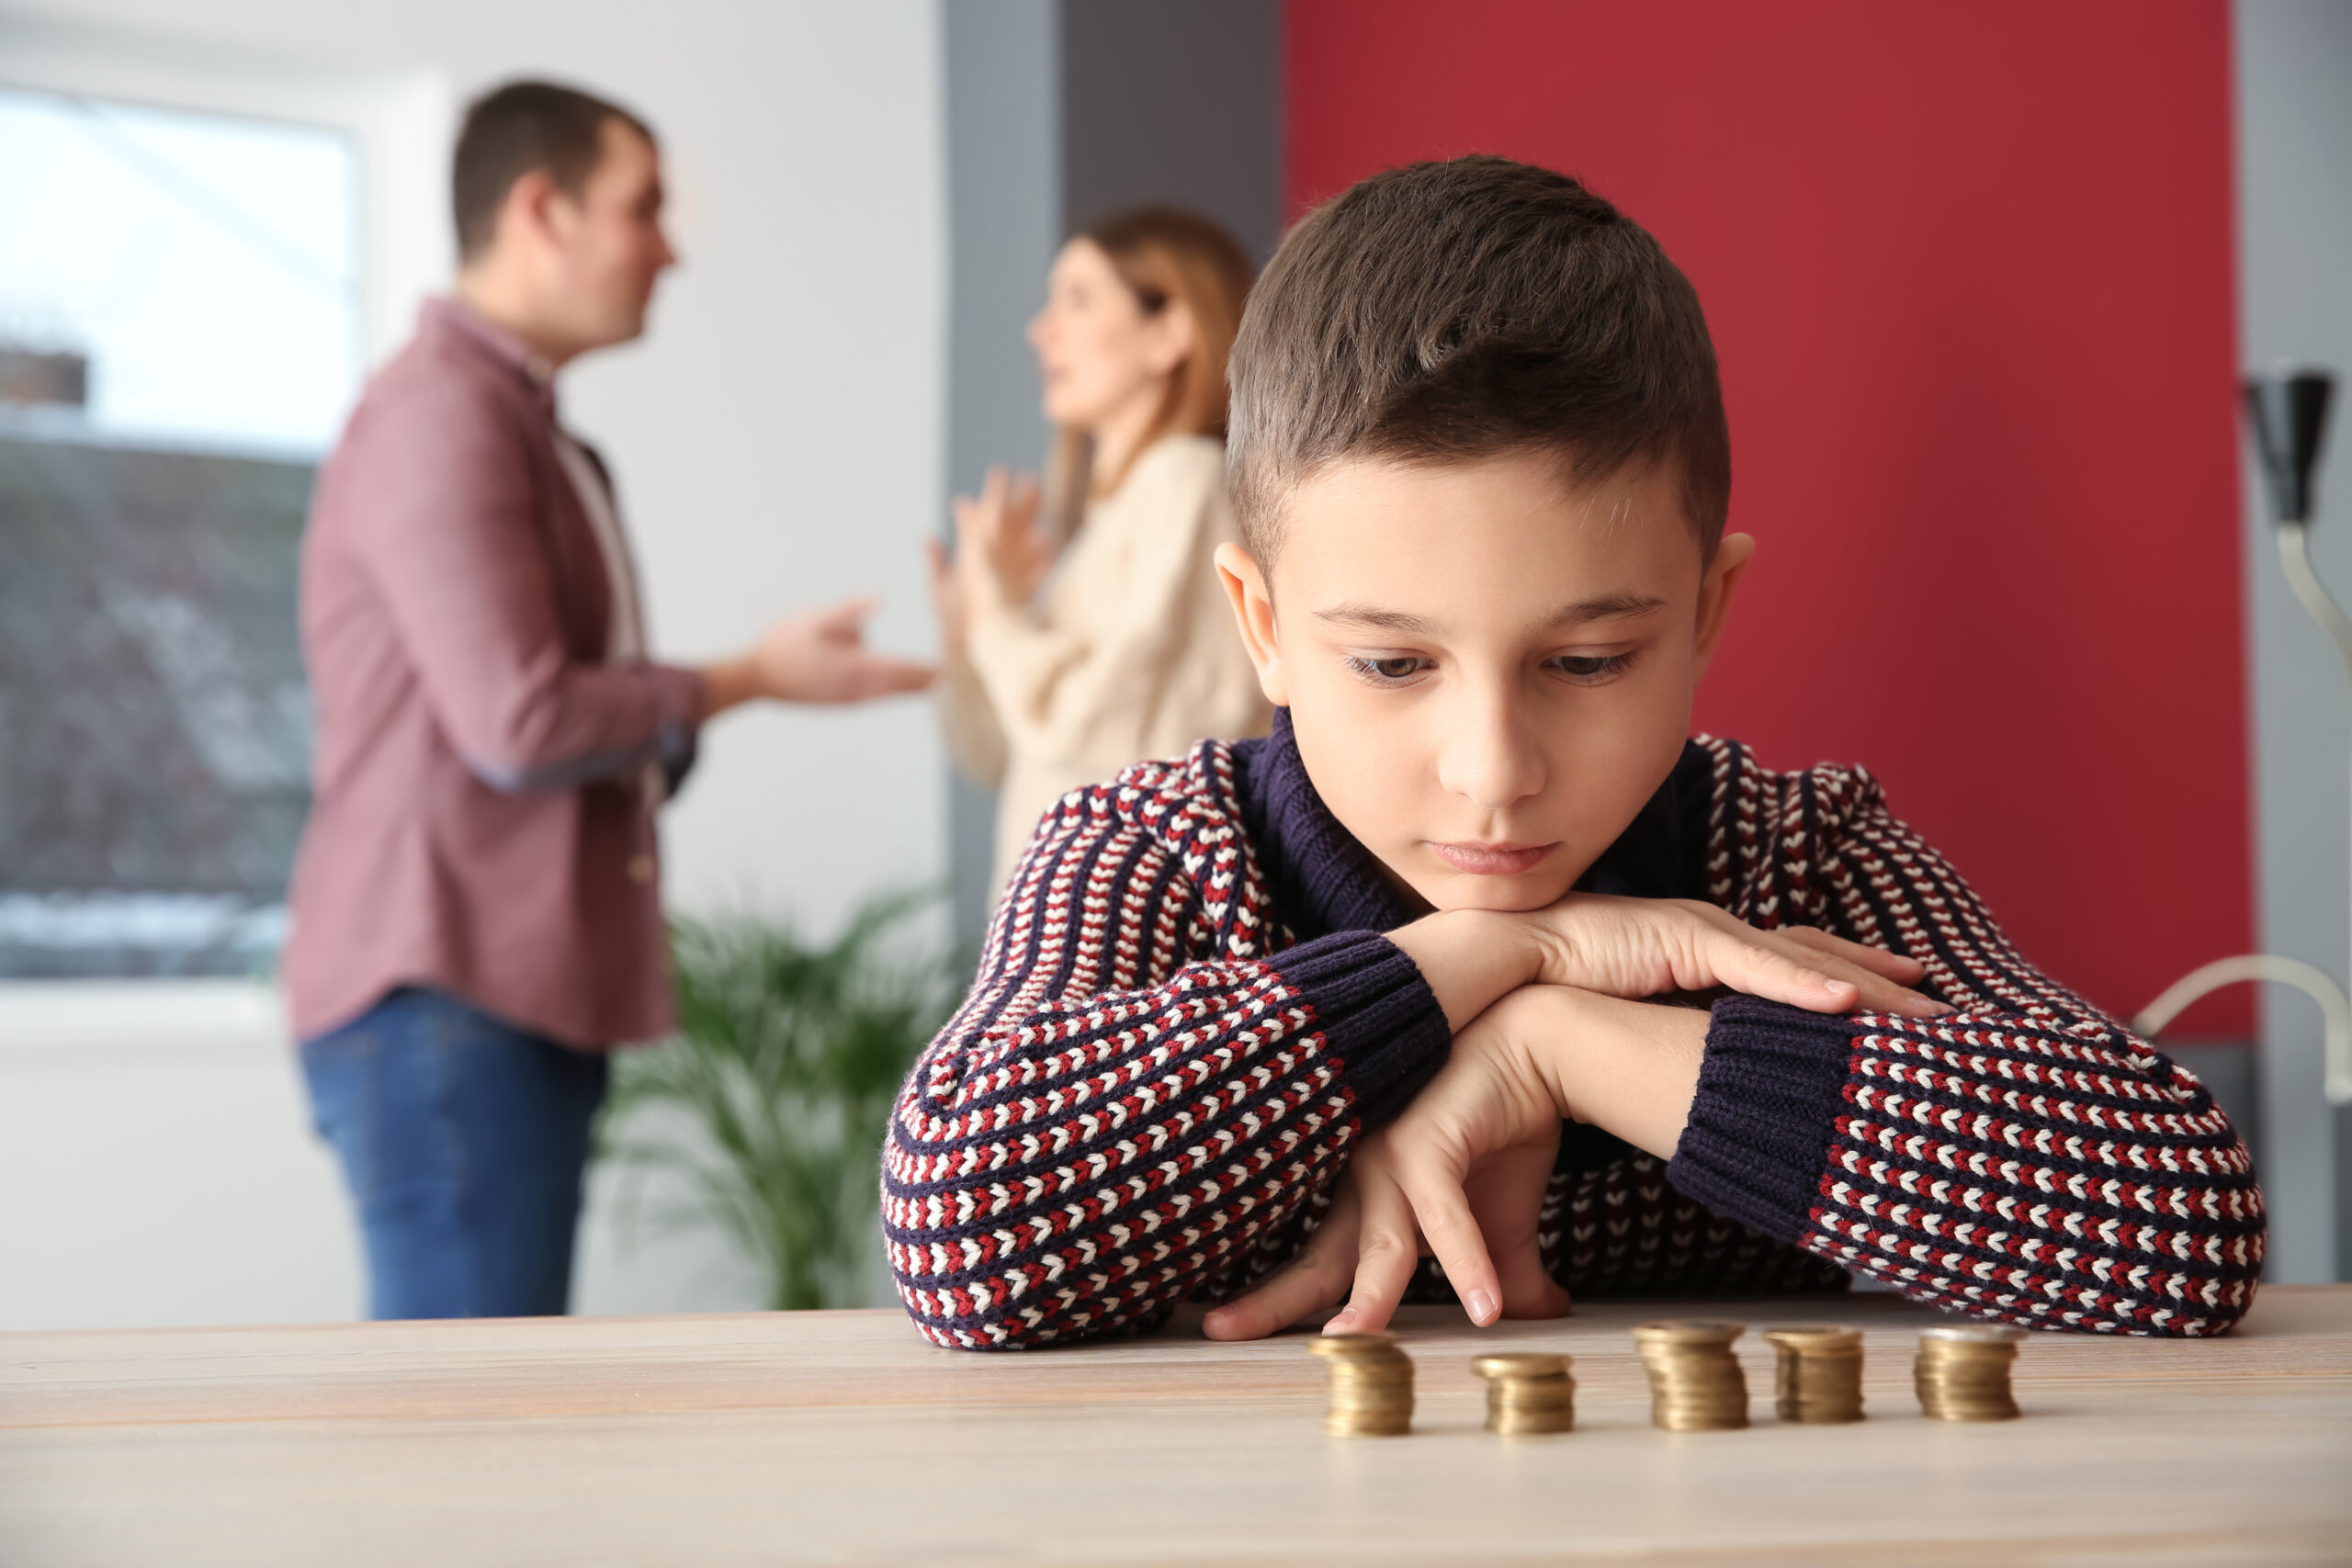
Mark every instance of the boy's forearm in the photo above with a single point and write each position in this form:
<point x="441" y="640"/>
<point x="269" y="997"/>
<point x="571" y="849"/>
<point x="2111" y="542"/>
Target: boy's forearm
<point x="1471" y="959"/>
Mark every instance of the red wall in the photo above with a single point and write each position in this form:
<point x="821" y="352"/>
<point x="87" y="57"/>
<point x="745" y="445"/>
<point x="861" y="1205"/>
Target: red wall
<point x="1969" y="274"/>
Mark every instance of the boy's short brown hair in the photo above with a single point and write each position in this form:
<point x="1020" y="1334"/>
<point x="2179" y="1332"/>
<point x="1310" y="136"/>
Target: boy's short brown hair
<point x="1453" y="310"/>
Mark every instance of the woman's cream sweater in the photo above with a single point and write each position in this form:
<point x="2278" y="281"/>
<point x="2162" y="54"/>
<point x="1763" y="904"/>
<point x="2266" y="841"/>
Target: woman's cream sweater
<point x="1130" y="651"/>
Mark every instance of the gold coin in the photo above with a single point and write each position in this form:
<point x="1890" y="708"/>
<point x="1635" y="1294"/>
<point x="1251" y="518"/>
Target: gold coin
<point x="1371" y="1385"/>
<point x="1350" y="1346"/>
<point x="1696" y="1384"/>
<point x="1686" y="1331"/>
<point x="1963" y="1371"/>
<point x="1973" y="1334"/>
<point x="1819" y="1378"/>
<point x="1519" y="1364"/>
<point x="1527" y="1391"/>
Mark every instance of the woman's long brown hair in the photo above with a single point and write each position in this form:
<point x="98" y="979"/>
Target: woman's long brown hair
<point x="1164" y="253"/>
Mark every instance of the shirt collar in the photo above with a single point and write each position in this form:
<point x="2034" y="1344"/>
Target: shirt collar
<point x="1324" y="880"/>
<point x="459" y="323"/>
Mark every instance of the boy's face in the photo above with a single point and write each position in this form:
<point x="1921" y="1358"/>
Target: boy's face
<point x="1488" y="671"/>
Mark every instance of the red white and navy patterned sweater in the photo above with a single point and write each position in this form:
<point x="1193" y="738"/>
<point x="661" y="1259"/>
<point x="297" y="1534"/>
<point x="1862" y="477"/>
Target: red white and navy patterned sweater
<point x="1186" y="1012"/>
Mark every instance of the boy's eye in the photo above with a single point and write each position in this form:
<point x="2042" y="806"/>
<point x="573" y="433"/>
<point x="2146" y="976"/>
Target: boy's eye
<point x="1591" y="666"/>
<point x="1387" y="669"/>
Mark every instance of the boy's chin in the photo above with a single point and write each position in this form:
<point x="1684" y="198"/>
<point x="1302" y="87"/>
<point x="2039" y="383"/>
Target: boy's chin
<point x="1537" y="889"/>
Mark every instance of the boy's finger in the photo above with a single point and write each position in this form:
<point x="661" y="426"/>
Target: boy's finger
<point x="1446" y="1222"/>
<point x="1388" y="1250"/>
<point x="1527" y="1288"/>
<point x="1306" y="1286"/>
<point x="1505" y="1197"/>
<point x="1762" y="970"/>
<point x="1310" y="1283"/>
<point x="1879" y="994"/>
<point x="1897" y="966"/>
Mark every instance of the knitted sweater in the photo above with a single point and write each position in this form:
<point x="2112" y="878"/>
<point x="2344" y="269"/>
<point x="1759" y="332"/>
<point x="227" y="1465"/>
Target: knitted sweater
<point x="1186" y="1013"/>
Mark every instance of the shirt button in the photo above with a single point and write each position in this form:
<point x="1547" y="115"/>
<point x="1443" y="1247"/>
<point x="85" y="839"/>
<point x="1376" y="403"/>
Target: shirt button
<point x="640" y="868"/>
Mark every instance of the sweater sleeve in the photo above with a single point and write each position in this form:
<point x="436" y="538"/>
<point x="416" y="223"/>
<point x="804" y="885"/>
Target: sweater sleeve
<point x="1136" y="1095"/>
<point x="2024" y="1158"/>
<point x="967" y="721"/>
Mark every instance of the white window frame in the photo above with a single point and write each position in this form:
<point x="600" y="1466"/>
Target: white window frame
<point x="400" y="123"/>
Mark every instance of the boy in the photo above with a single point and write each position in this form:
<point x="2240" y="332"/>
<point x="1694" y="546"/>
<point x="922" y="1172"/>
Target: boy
<point x="1404" y="976"/>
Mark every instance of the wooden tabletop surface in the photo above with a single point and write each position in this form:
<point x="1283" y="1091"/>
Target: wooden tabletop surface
<point x="843" y="1438"/>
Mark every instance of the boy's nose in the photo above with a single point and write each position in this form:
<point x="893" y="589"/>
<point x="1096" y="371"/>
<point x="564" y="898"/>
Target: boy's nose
<point x="1491" y="758"/>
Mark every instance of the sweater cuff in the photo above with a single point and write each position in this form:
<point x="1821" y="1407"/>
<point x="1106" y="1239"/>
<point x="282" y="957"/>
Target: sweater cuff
<point x="1771" y="1088"/>
<point x="1375" y="1013"/>
<point x="680" y="697"/>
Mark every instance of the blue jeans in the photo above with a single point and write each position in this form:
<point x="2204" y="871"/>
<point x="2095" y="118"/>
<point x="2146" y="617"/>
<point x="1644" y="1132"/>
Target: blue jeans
<point x="464" y="1140"/>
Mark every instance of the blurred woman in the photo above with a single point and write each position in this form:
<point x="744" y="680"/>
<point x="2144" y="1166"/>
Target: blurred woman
<point x="1057" y="673"/>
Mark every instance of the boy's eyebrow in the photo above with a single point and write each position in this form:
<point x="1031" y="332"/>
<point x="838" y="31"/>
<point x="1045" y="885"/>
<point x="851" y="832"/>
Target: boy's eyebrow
<point x="1365" y="616"/>
<point x="1605" y="607"/>
<point x="1599" y="607"/>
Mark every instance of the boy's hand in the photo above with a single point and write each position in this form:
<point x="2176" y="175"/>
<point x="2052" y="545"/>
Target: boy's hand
<point x="1465" y="1166"/>
<point x="1462" y="1172"/>
<point x="1648" y="947"/>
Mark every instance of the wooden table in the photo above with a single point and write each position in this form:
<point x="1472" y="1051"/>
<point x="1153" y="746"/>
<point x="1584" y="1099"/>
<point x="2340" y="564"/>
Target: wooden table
<point x="840" y="1436"/>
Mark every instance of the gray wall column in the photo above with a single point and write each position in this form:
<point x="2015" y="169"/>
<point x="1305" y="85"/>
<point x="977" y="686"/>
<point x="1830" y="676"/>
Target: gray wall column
<point x="2295" y="116"/>
<point x="1059" y="111"/>
<point x="1004" y="219"/>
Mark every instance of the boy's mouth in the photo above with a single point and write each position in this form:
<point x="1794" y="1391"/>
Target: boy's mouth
<point x="1493" y="860"/>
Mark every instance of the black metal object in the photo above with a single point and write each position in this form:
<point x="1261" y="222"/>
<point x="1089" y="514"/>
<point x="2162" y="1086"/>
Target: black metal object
<point x="2290" y="414"/>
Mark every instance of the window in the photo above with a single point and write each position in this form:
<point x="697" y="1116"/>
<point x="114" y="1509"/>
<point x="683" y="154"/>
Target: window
<point x="179" y="339"/>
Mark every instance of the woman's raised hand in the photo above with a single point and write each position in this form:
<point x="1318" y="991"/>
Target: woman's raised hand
<point x="947" y="599"/>
<point x="997" y="534"/>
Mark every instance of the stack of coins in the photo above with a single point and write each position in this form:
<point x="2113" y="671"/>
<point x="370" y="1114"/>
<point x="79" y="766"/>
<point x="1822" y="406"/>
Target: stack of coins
<point x="1695" y="1382"/>
<point x="1963" y="1372"/>
<point x="1820" y="1376"/>
<point x="1372" y="1385"/>
<point x="1527" y="1391"/>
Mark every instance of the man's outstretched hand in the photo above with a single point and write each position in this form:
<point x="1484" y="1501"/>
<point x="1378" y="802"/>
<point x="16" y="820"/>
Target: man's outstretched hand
<point x="816" y="657"/>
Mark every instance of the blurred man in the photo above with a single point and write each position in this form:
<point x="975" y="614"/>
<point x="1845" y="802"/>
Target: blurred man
<point x="477" y="903"/>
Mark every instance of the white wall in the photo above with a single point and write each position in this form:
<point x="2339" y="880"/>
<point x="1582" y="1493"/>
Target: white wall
<point x="778" y="442"/>
<point x="2293" y="62"/>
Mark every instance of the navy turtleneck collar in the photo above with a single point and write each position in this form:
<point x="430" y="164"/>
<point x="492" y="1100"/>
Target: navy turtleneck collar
<point x="1323" y="880"/>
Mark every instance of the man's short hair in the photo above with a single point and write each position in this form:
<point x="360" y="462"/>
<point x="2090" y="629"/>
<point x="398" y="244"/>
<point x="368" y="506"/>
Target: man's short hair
<point x="519" y="129"/>
<point x="1454" y="311"/>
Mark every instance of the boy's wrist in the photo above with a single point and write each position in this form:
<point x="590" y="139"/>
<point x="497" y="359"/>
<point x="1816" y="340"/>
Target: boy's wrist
<point x="1470" y="959"/>
<point x="1628" y="1067"/>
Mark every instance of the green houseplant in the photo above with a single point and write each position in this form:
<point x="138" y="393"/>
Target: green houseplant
<point x="787" y="1057"/>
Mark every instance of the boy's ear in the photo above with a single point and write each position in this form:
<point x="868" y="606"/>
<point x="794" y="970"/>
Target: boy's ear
<point x="1253" y="612"/>
<point x="1732" y="554"/>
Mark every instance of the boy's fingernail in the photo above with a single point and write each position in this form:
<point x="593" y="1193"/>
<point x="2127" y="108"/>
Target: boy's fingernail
<point x="1482" y="1307"/>
<point x="1341" y="1320"/>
